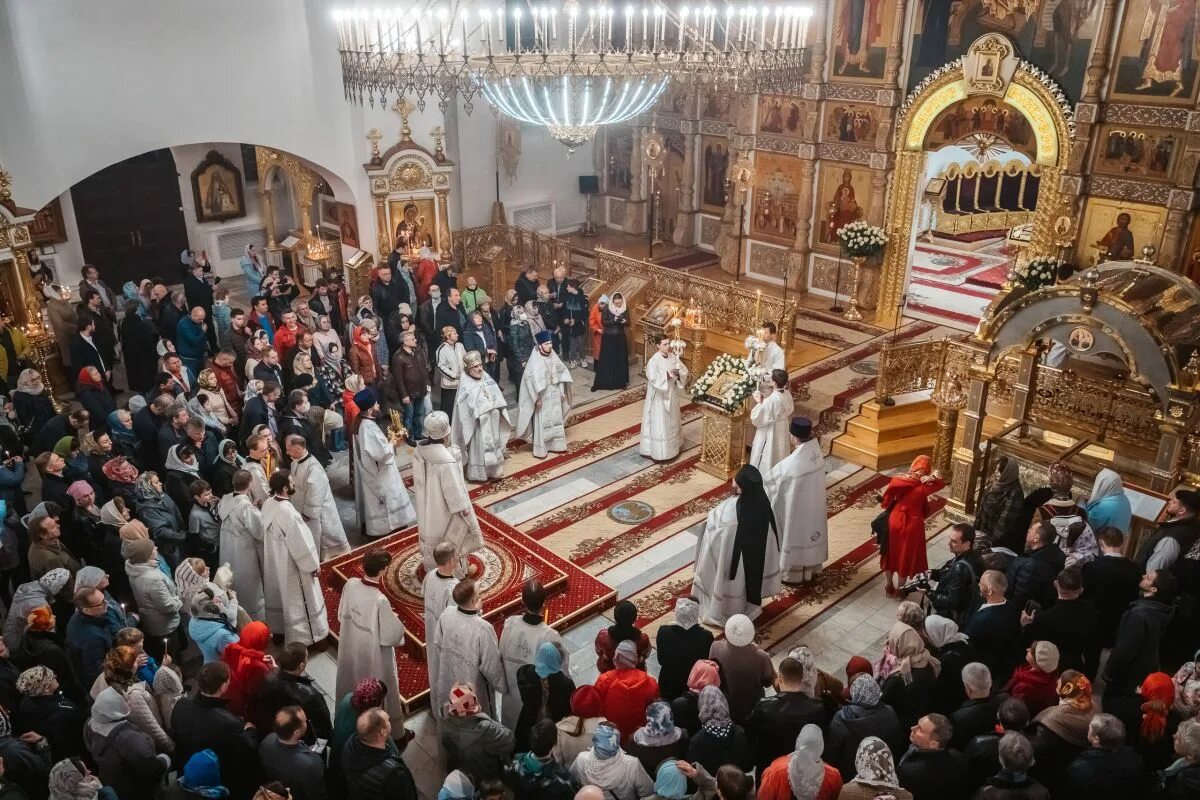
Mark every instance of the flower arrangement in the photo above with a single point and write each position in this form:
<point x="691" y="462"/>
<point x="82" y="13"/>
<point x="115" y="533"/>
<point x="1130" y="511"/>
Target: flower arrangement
<point x="862" y="239"/>
<point x="1037" y="273"/>
<point x="726" y="383"/>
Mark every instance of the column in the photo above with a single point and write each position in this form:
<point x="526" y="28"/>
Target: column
<point x="943" y="445"/>
<point x="635" y="207"/>
<point x="1097" y="69"/>
<point x="802" y="245"/>
<point x="895" y="50"/>
<point x="965" y="479"/>
<point x="444" y="224"/>
<point x="685" y="219"/>
<point x="816" y="35"/>
<point x="268" y="211"/>
<point x="899" y="228"/>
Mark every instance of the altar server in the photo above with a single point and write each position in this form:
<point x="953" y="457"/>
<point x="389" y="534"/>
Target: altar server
<point x="242" y="544"/>
<point x="383" y="502"/>
<point x="437" y="590"/>
<point x="662" y="424"/>
<point x="737" y="562"/>
<point x="770" y="420"/>
<point x="797" y="489"/>
<point x="314" y="500"/>
<point x="773" y="356"/>
<point x="519" y="640"/>
<point x="370" y="633"/>
<point x="480" y="425"/>
<point x="545" y="399"/>
<point x="444" y="510"/>
<point x="466" y="650"/>
<point x="295" y="605"/>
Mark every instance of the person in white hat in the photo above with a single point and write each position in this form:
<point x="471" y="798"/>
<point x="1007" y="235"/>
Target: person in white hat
<point x="545" y="399"/>
<point x="662" y="426"/>
<point x="480" y="426"/>
<point x="444" y="510"/>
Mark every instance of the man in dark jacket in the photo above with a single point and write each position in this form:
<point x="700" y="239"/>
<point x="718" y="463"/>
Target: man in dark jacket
<point x="536" y="775"/>
<point x="89" y="637"/>
<point x="977" y="714"/>
<point x="295" y="423"/>
<point x="527" y="286"/>
<point x="1071" y="624"/>
<point x="260" y="410"/>
<point x="1111" y="582"/>
<point x="373" y="767"/>
<point x="450" y="313"/>
<point x="1135" y="652"/>
<point x="930" y="769"/>
<point x="994" y="629"/>
<point x="58" y="427"/>
<point x="983" y="751"/>
<point x="1172" y="539"/>
<point x="202" y="721"/>
<point x="1109" y="769"/>
<point x="388" y="293"/>
<point x="290" y="686"/>
<point x="1012" y="782"/>
<point x="679" y="646"/>
<point x="173" y="431"/>
<point x="146" y="423"/>
<point x="956" y="595"/>
<point x="410" y="373"/>
<point x="287" y="758"/>
<point x="1031" y="576"/>
<point x="775" y="721"/>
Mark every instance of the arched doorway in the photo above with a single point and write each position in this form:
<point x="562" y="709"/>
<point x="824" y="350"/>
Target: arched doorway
<point x="1009" y="120"/>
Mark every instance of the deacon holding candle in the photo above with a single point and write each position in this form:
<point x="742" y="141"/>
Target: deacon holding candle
<point x="662" y="425"/>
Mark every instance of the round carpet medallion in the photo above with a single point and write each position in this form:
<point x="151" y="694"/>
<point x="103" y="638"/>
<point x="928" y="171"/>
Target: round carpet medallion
<point x="631" y="512"/>
<point x="494" y="569"/>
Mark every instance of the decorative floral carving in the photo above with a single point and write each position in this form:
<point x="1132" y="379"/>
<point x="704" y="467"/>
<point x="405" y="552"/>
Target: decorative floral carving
<point x="849" y="153"/>
<point x="616" y="211"/>
<point x="710" y="229"/>
<point x="852" y="92"/>
<point x="772" y="262"/>
<point x="1157" y="116"/>
<point x="777" y="144"/>
<point x="408" y="175"/>
<point x="714" y="128"/>
<point x="1121" y="189"/>
<point x="825" y="272"/>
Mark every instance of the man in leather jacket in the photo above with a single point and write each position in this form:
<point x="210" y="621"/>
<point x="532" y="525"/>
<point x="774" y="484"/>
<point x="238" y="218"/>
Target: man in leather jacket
<point x="956" y="595"/>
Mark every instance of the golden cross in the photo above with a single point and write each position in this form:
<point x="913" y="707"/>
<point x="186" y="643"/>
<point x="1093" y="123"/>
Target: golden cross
<point x="404" y="108"/>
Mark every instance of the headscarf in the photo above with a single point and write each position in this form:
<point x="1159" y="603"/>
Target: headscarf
<point x="865" y="691"/>
<point x="463" y="701"/>
<point x="1069" y="719"/>
<point x="624" y="628"/>
<point x="202" y="775"/>
<point x="30" y="382"/>
<point x="302" y="364"/>
<point x="806" y="772"/>
<point x="754" y="521"/>
<point x="40" y="619"/>
<point x="606" y="741"/>
<point x="617" y="306"/>
<point x="687" y="613"/>
<point x="457" y="786"/>
<point x="1158" y="691"/>
<point x="807" y="660"/>
<point x="909" y="649"/>
<point x="189" y="581"/>
<point x="921" y="464"/>
<point x="626" y="656"/>
<point x="80" y="489"/>
<point x="669" y="783"/>
<point x="1108" y="483"/>
<point x="68" y="783"/>
<point x="36" y="681"/>
<point x="253" y="389"/>
<point x="85" y="379"/>
<point x="1008" y="475"/>
<point x="1061" y="479"/>
<point x="857" y="665"/>
<point x="54" y="580"/>
<point x="586" y="702"/>
<point x="603" y="301"/>
<point x="143" y="490"/>
<point x="89" y="578"/>
<point x="659" y="729"/>
<point x="1187" y="687"/>
<point x="705" y="672"/>
<point x="64" y="446"/>
<point x="250" y="647"/>
<point x="88" y="445"/>
<point x="118" y="431"/>
<point x="368" y="693"/>
<point x="534" y="317"/>
<point x="1074" y="689"/>
<point x="111" y="515"/>
<point x="196" y="408"/>
<point x="941" y="631"/>
<point x="874" y="763"/>
<point x="264" y="793"/>
<point x="176" y="463"/>
<point x="547" y="660"/>
<point x="120" y="470"/>
<point x="237" y="461"/>
<point x="714" y="712"/>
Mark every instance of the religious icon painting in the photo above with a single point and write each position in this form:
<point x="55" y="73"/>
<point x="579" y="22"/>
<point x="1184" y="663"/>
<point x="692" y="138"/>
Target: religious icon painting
<point x="1157" y="56"/>
<point x="717" y="105"/>
<point x="861" y="29"/>
<point x="843" y="196"/>
<point x="1114" y="230"/>
<point x="217" y="189"/>
<point x="850" y="122"/>
<point x="1137" y="152"/>
<point x="1081" y="339"/>
<point x="714" y="166"/>
<point x="619" y="169"/>
<point x="990" y="117"/>
<point x="414" y="221"/>
<point x="671" y="186"/>
<point x="775" y="209"/>
<point x="781" y="114"/>
<point x="347" y="223"/>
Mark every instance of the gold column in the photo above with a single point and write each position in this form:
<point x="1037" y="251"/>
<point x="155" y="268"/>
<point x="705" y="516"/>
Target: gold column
<point x="804" y="210"/>
<point x="443" y="224"/>
<point x="816" y="33"/>
<point x="1043" y="239"/>
<point x="635" y="206"/>
<point x="268" y="211"/>
<point x="685" y="218"/>
<point x="1172" y="240"/>
<point x="1097" y="69"/>
<point x="895" y="49"/>
<point x="899" y="226"/>
<point x="384" y="236"/>
<point x="965" y="478"/>
<point x="949" y="399"/>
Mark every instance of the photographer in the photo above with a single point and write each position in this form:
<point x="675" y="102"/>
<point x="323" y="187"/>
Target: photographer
<point x="956" y="595"/>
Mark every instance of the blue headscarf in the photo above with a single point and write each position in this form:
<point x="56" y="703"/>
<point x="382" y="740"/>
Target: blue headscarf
<point x="670" y="783"/>
<point x="606" y="741"/>
<point x="547" y="660"/>
<point x="660" y="727"/>
<point x="456" y="787"/>
<point x="202" y="775"/>
<point x="118" y="431"/>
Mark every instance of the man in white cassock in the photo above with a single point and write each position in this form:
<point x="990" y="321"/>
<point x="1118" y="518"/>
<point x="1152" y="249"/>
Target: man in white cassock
<point x="737" y="555"/>
<point x="773" y="356"/>
<point x="257" y="451"/>
<point x="770" y="418"/>
<point x="444" y="510"/>
<point x="466" y="651"/>
<point x="662" y="424"/>
<point x="520" y="638"/>
<point x="545" y="399"/>
<point x="437" y="590"/>
<point x="383" y="502"/>
<point x="796" y="486"/>
<point x="369" y="634"/>
<point x="295" y="605"/>
<point x="480" y="425"/>
<point x="242" y="544"/>
<point x="314" y="499"/>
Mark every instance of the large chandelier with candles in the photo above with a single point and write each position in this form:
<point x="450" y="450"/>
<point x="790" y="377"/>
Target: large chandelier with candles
<point x="565" y="67"/>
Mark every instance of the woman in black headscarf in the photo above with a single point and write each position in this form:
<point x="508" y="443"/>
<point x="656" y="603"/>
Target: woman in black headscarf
<point x="754" y="518"/>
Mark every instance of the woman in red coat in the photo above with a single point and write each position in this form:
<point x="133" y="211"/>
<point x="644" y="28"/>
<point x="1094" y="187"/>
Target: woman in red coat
<point x="908" y="496"/>
<point x="801" y="775"/>
<point x="626" y="691"/>
<point x="248" y="665"/>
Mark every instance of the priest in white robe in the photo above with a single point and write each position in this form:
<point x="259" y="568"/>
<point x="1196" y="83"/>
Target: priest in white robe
<point x="737" y="556"/>
<point x="770" y="418"/>
<point x="466" y="652"/>
<point x="437" y="590"/>
<point x="370" y="631"/>
<point x="258" y="451"/>
<point x="773" y="356"/>
<point x="444" y="510"/>
<point x="314" y="499"/>
<point x="295" y="605"/>
<point x="519" y="640"/>
<point x="545" y="399"/>
<point x="480" y="426"/>
<point x="662" y="422"/>
<point x="242" y="544"/>
<point x="796" y="487"/>
<point x="379" y="494"/>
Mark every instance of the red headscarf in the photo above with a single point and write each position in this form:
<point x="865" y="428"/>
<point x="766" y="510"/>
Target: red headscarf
<point x="586" y="702"/>
<point x="85" y="379"/>
<point x="247" y="662"/>
<point x="1158" y="690"/>
<point x="704" y="673"/>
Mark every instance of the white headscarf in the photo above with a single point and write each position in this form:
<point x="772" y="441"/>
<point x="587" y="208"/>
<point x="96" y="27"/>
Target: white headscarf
<point x="807" y="660"/>
<point x="687" y="613"/>
<point x="874" y="763"/>
<point x="1107" y="483"/>
<point x="806" y="772"/>
<point x="942" y="631"/>
<point x="617" y="306"/>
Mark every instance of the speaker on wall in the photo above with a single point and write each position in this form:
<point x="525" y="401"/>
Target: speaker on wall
<point x="589" y="184"/>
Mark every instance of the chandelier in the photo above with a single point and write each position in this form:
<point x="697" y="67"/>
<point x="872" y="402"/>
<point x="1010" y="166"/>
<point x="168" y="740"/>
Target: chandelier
<point x="567" y="68"/>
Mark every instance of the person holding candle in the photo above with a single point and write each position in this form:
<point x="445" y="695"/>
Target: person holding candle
<point x="662" y="425"/>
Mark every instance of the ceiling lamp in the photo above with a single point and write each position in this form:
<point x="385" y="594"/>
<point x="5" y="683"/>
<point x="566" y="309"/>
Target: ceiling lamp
<point x="565" y="68"/>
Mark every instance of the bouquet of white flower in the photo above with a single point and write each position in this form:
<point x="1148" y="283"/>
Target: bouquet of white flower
<point x="1038" y="272"/>
<point x="732" y="392"/>
<point x="862" y="238"/>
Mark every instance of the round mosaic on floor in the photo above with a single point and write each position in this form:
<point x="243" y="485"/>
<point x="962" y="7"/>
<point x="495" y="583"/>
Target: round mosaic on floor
<point x="631" y="512"/>
<point x="943" y="260"/>
<point x="865" y="367"/>
<point x="494" y="569"/>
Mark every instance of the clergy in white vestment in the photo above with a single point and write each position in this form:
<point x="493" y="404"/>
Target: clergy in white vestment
<point x="379" y="494"/>
<point x="314" y="500"/>
<point x="242" y="544"/>
<point x="796" y="487"/>
<point x="545" y="399"/>
<point x="519" y="640"/>
<point x="369" y="634"/>
<point x="737" y="556"/>
<point x="444" y="510"/>
<point x="295" y="605"/>
<point x="770" y="418"/>
<point x="662" y="425"/>
<point x="437" y="590"/>
<point x="773" y="356"/>
<point x="258" y="450"/>
<point x="466" y="651"/>
<point x="480" y="425"/>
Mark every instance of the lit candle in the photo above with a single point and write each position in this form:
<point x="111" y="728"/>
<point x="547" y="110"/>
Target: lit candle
<point x="757" y="304"/>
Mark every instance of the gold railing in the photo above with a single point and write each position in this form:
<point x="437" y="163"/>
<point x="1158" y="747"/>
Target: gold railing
<point x="917" y="366"/>
<point x="730" y="307"/>
<point x="523" y="247"/>
<point x="1109" y="410"/>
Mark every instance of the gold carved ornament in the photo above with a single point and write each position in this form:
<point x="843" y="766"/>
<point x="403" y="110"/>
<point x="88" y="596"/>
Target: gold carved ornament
<point x="410" y="175"/>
